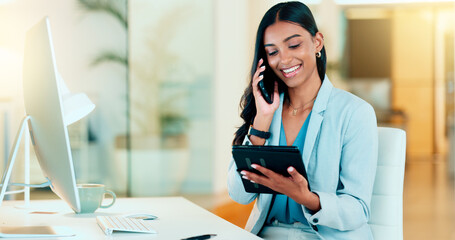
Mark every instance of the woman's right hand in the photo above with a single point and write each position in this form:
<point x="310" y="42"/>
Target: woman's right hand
<point x="264" y="110"/>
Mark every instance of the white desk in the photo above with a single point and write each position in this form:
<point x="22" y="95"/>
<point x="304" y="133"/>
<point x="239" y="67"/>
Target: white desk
<point x="178" y="218"/>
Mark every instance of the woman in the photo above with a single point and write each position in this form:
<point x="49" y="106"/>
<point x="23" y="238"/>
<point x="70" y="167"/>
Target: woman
<point x="335" y="131"/>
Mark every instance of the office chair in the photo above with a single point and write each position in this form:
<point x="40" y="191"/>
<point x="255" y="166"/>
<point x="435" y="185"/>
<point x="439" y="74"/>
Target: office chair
<point x="386" y="219"/>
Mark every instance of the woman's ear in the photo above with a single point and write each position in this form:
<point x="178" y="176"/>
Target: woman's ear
<point x="318" y="42"/>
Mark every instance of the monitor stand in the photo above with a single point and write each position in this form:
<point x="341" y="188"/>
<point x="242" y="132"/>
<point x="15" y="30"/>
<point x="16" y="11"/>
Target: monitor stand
<point x="12" y="159"/>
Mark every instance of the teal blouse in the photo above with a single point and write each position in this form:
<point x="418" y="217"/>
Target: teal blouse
<point x="285" y="209"/>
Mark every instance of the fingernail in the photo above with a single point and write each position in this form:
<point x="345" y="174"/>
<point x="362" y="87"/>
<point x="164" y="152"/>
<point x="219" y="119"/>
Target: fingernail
<point x="245" y="177"/>
<point x="291" y="169"/>
<point x="261" y="76"/>
<point x="243" y="172"/>
<point x="263" y="67"/>
<point x="252" y="181"/>
<point x="253" y="166"/>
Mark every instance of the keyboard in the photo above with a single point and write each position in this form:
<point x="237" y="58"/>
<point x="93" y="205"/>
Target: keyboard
<point x="109" y="224"/>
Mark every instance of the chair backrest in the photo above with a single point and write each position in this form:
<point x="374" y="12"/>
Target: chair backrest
<point x="386" y="219"/>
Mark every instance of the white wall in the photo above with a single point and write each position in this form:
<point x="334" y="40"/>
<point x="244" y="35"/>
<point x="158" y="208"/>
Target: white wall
<point x="231" y="73"/>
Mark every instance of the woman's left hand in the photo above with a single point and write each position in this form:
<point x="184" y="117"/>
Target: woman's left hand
<point x="295" y="186"/>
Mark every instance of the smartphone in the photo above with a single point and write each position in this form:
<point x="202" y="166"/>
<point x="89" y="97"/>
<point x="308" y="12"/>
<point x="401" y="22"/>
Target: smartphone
<point x="266" y="86"/>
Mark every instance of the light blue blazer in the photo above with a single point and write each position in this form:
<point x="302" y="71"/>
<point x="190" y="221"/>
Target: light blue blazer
<point x="340" y="155"/>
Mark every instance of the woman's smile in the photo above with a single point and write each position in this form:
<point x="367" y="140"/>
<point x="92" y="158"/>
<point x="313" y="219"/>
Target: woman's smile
<point x="291" y="72"/>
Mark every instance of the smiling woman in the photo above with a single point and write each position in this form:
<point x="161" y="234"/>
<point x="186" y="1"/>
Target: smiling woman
<point x="335" y="131"/>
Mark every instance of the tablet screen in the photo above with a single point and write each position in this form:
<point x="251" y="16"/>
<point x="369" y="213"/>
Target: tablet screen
<point x="275" y="158"/>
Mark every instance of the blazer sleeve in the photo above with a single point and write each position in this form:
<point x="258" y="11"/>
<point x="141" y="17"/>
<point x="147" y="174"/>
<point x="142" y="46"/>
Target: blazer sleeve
<point x="349" y="207"/>
<point x="235" y="186"/>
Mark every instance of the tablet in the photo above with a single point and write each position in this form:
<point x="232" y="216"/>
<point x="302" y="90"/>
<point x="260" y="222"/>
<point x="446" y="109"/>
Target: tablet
<point x="275" y="158"/>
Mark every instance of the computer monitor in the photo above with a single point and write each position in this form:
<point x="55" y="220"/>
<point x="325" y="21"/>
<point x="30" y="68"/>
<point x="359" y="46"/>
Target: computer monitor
<point x="44" y="106"/>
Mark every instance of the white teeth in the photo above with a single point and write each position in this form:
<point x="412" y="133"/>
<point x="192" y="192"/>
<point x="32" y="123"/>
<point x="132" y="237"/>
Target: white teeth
<point x="292" y="69"/>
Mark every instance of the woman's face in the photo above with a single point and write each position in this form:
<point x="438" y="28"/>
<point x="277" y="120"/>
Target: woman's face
<point x="291" y="52"/>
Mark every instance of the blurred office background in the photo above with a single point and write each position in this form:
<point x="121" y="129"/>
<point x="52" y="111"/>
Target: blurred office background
<point x="167" y="75"/>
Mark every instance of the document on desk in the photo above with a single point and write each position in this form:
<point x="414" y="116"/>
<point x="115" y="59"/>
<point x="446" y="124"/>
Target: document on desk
<point x="35" y="231"/>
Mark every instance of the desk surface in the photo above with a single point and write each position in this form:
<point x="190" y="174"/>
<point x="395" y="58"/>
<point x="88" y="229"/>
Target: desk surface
<point x="178" y="218"/>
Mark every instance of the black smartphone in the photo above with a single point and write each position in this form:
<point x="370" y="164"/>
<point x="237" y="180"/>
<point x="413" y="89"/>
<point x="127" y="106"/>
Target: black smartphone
<point x="266" y="86"/>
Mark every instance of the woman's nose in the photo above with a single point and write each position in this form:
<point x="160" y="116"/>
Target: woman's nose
<point x="285" y="57"/>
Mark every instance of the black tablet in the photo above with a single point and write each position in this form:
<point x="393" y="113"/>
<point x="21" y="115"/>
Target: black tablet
<point x="275" y="158"/>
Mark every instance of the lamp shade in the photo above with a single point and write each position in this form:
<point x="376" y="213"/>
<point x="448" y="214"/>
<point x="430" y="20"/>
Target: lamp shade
<point x="75" y="105"/>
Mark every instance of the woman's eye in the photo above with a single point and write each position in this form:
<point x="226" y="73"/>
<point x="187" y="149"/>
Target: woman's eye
<point x="295" y="46"/>
<point x="273" y="53"/>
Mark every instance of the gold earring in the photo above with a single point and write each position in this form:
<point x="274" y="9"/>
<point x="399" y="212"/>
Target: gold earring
<point x="318" y="54"/>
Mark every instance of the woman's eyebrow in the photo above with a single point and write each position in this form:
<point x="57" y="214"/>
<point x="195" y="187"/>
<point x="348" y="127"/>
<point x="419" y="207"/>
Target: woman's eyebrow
<point x="285" y="40"/>
<point x="290" y="37"/>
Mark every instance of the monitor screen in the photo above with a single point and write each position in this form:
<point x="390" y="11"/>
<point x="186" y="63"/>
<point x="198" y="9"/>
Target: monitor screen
<point x="43" y="103"/>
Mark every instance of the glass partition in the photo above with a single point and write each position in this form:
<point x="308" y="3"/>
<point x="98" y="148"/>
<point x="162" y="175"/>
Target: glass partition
<point x="171" y="79"/>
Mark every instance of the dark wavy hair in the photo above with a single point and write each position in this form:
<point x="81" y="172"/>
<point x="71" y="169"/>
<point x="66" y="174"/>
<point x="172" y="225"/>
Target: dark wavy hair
<point x="294" y="12"/>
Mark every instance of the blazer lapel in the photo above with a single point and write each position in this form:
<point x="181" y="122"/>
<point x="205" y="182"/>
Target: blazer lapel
<point x="316" y="119"/>
<point x="312" y="133"/>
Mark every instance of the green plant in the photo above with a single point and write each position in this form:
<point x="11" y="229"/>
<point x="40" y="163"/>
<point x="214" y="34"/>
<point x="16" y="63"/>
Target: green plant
<point x="154" y="100"/>
<point x="116" y="9"/>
